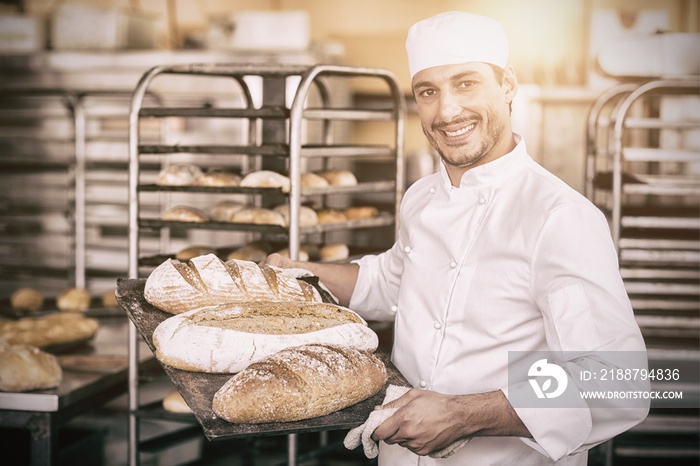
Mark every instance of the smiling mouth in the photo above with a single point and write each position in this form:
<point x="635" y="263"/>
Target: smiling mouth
<point x="460" y="131"/>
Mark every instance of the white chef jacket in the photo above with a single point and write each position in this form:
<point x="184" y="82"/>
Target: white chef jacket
<point x="511" y="260"/>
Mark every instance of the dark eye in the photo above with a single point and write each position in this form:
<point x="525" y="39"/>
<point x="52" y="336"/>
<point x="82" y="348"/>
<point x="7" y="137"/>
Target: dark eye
<point x="427" y="93"/>
<point x="465" y="84"/>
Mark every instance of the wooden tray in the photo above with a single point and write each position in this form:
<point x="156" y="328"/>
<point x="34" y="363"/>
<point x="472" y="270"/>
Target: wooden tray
<point x="198" y="388"/>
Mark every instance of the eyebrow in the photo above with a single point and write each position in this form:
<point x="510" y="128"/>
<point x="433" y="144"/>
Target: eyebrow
<point x="455" y="77"/>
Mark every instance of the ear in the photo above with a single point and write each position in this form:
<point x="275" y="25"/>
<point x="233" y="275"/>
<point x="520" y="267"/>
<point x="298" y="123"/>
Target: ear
<point x="510" y="83"/>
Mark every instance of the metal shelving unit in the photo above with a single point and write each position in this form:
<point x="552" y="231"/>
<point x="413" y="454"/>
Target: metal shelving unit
<point x="643" y="171"/>
<point x="287" y="121"/>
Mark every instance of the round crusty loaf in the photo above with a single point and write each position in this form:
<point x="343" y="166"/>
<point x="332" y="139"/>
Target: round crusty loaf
<point x="331" y="216"/>
<point x="27" y="299"/>
<point x="361" y="212"/>
<point x="258" y="216"/>
<point x="300" y="383"/>
<point x="307" y="215"/>
<point x="206" y="281"/>
<point x="228" y="339"/>
<point x="193" y="251"/>
<point x="74" y="300"/>
<point x="223" y="210"/>
<point x="218" y="177"/>
<point x="313" y="181"/>
<point x="184" y="214"/>
<point x="26" y="367"/>
<point x="334" y="252"/>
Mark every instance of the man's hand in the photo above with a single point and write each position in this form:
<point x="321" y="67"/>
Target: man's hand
<point x="428" y="421"/>
<point x="278" y="260"/>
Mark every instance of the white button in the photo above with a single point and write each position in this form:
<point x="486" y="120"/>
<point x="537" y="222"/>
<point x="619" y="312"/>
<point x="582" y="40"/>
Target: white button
<point x="394" y="308"/>
<point x="407" y="249"/>
<point x="432" y="190"/>
<point x="482" y="200"/>
<point x="423" y="383"/>
<point x="437" y="325"/>
<point x="453" y="264"/>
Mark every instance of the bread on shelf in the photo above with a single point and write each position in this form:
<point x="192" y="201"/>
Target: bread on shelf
<point x="184" y="214"/>
<point x="361" y="212"/>
<point x="331" y="216"/>
<point x="258" y="216"/>
<point x="26" y="367"/>
<point x="334" y="252"/>
<point x="59" y="328"/>
<point x="310" y="180"/>
<point x="27" y="299"/>
<point x="307" y="215"/>
<point x="224" y="210"/>
<point x="179" y="174"/>
<point x="74" y="300"/>
<point x="266" y="179"/>
<point x="339" y="177"/>
<point x="219" y="178"/>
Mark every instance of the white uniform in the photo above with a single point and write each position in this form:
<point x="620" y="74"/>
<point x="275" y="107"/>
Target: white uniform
<point x="511" y="260"/>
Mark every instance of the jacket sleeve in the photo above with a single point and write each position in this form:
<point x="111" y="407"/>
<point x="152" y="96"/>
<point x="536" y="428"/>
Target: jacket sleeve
<point x="589" y="322"/>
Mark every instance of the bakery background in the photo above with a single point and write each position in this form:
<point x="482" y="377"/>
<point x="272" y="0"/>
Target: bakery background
<point x="68" y="70"/>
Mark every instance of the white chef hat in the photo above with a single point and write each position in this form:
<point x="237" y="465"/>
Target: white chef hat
<point x="455" y="37"/>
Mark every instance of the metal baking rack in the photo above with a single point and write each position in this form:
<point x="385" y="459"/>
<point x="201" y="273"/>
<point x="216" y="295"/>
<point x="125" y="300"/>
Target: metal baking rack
<point x="278" y="105"/>
<point x="643" y="171"/>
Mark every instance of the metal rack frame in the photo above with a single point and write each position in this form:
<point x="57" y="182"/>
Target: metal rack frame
<point x="275" y="132"/>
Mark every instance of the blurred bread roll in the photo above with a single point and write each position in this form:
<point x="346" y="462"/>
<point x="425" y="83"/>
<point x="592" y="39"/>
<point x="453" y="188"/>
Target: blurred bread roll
<point x="175" y="403"/>
<point x="223" y="211"/>
<point x="218" y="177"/>
<point x="74" y="300"/>
<point x="334" y="252"/>
<point x="26" y="367"/>
<point x="258" y="215"/>
<point x="184" y="214"/>
<point x="312" y="180"/>
<point x="331" y="216"/>
<point x="179" y="174"/>
<point x="193" y="251"/>
<point x="339" y="177"/>
<point x="303" y="255"/>
<point x="109" y="299"/>
<point x="27" y="299"/>
<point x="307" y="215"/>
<point x="362" y="212"/>
<point x="254" y="251"/>
<point x="266" y="179"/>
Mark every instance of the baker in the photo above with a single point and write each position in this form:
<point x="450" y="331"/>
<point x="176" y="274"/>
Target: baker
<point x="494" y="255"/>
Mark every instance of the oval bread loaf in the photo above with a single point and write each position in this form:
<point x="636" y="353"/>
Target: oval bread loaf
<point x="206" y="281"/>
<point x="228" y="339"/>
<point x="300" y="383"/>
<point x="26" y="367"/>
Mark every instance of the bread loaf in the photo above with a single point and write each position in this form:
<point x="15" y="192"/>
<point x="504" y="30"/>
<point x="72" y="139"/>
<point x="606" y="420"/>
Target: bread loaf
<point x="307" y="215"/>
<point x="228" y="339"/>
<point x="184" y="214"/>
<point x="300" y="383"/>
<point x="175" y="403"/>
<point x="266" y="179"/>
<point x="259" y="216"/>
<point x="361" y="212"/>
<point x="207" y="281"/>
<point x="313" y="181"/>
<point x="224" y="210"/>
<point x="179" y="174"/>
<point x="26" y="367"/>
<point x="331" y="216"/>
<point x="255" y="251"/>
<point x="54" y="329"/>
<point x="334" y="252"/>
<point x="109" y="299"/>
<point x="27" y="299"/>
<point x="193" y="251"/>
<point x="339" y="177"/>
<point x="74" y="300"/>
<point x="218" y="177"/>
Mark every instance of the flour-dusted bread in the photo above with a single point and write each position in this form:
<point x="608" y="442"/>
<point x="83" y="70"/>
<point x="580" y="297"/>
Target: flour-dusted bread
<point x="223" y="211"/>
<point x="26" y="367"/>
<point x="313" y="181"/>
<point x="307" y="215"/>
<point x="300" y="383"/>
<point x="54" y="329"/>
<point x="206" y="281"/>
<point x="266" y="179"/>
<point x="179" y="174"/>
<point x="228" y="339"/>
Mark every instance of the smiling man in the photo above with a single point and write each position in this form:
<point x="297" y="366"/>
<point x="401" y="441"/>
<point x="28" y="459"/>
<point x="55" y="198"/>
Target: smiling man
<point x="495" y="256"/>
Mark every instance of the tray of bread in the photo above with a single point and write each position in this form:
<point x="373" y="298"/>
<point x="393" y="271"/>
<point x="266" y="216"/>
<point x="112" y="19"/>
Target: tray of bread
<point x="254" y="350"/>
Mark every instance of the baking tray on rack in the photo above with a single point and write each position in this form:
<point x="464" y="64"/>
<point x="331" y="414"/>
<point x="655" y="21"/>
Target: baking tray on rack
<point x="198" y="388"/>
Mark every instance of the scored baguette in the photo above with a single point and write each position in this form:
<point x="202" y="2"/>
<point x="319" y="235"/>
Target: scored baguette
<point x="228" y="339"/>
<point x="300" y="383"/>
<point x="206" y="281"/>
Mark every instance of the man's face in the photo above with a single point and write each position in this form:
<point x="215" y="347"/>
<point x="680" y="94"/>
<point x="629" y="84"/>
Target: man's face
<point x="464" y="112"/>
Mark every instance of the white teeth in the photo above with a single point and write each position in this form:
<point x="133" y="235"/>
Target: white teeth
<point x="459" y="132"/>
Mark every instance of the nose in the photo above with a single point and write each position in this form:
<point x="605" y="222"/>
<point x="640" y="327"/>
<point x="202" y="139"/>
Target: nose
<point x="449" y="107"/>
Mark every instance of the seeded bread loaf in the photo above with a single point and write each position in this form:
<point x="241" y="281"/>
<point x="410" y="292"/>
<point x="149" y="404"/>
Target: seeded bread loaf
<point x="300" y="383"/>
<point x="228" y="339"/>
<point x="206" y="281"/>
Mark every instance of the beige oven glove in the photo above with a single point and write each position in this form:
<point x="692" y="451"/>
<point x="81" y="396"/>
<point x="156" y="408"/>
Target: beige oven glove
<point x="362" y="435"/>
